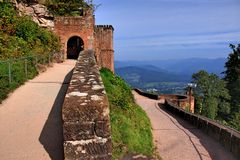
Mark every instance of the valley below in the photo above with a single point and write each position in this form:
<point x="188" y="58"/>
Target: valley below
<point x="165" y="76"/>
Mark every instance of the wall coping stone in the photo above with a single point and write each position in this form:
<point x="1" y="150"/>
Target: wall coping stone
<point x="85" y="113"/>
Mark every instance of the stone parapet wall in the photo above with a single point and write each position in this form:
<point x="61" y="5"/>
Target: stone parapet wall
<point x="85" y="113"/>
<point x="145" y="94"/>
<point x="228" y="137"/>
<point x="181" y="101"/>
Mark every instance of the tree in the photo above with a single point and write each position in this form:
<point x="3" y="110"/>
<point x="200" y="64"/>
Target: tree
<point x="211" y="95"/>
<point x="232" y="76"/>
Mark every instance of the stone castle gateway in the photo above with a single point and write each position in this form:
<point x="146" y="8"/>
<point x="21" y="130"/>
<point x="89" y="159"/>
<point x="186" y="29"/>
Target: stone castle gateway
<point x="80" y="33"/>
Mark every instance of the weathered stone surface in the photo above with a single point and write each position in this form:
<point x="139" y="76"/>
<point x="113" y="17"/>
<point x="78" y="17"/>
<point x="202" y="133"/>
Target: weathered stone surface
<point x="235" y="144"/>
<point x="85" y="113"/>
<point x="203" y="124"/>
<point x="213" y="130"/>
<point x="225" y="138"/>
<point x="78" y="130"/>
<point x="91" y="149"/>
<point x="101" y="128"/>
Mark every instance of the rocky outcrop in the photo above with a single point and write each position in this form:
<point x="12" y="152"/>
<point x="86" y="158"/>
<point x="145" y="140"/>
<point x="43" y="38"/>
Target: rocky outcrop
<point x="38" y="12"/>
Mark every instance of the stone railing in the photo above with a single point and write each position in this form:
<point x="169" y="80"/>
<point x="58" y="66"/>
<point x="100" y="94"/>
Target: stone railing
<point x="227" y="136"/>
<point x="145" y="94"/>
<point x="180" y="100"/>
<point x="85" y="113"/>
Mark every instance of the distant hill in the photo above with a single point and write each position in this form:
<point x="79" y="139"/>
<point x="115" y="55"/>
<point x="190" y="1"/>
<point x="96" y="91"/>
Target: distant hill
<point x="167" y="76"/>
<point x="182" y="66"/>
<point x="149" y="74"/>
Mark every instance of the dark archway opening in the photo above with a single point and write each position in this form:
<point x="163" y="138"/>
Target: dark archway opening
<point x="74" y="46"/>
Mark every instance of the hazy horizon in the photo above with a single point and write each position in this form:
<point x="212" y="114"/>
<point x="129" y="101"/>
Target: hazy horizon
<point x="171" y="29"/>
<point x="177" y="59"/>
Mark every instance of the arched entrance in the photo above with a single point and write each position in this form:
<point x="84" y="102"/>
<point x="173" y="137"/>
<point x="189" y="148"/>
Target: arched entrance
<point x="74" y="46"/>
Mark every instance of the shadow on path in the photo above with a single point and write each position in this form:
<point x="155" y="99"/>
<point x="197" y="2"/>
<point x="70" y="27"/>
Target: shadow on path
<point x="52" y="133"/>
<point x="214" y="148"/>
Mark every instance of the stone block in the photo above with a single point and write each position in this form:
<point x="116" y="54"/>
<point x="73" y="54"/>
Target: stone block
<point x="91" y="149"/>
<point x="78" y="131"/>
<point x="187" y="117"/>
<point x="181" y="113"/>
<point x="225" y="138"/>
<point x="213" y="131"/>
<point x="102" y="128"/>
<point x="203" y="124"/>
<point x="194" y="120"/>
<point x="235" y="145"/>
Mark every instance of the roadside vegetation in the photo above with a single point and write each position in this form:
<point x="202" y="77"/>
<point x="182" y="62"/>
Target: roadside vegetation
<point x="218" y="98"/>
<point x="22" y="45"/>
<point x="130" y="126"/>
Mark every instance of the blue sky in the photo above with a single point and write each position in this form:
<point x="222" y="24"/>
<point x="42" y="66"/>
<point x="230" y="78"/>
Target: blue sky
<point x="171" y="29"/>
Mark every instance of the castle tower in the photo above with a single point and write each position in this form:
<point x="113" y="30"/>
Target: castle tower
<point x="80" y="33"/>
<point x="104" y="46"/>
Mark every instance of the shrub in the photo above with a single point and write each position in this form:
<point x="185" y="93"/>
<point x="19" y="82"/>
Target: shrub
<point x="21" y="37"/>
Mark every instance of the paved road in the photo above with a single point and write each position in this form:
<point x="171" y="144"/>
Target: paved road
<point x="175" y="139"/>
<point x="30" y="119"/>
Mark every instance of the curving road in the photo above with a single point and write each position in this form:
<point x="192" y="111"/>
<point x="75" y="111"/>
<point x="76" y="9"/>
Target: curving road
<point x="30" y="119"/>
<point x="175" y="139"/>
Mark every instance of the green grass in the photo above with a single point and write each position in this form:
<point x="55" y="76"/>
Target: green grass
<point x="130" y="126"/>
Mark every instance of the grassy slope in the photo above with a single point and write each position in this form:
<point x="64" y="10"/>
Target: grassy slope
<point x="131" y="128"/>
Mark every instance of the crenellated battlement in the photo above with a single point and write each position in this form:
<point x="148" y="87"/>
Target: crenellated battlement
<point x="105" y="27"/>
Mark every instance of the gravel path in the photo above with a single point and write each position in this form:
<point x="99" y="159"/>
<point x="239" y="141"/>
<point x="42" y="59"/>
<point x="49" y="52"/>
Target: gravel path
<point x="30" y="119"/>
<point x="175" y="139"/>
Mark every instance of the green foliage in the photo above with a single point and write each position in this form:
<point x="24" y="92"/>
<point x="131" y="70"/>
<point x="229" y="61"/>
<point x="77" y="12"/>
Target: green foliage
<point x="211" y="95"/>
<point x="235" y="122"/>
<point x="26" y="29"/>
<point x="21" y="37"/>
<point x="66" y="7"/>
<point x="131" y="128"/>
<point x="7" y="18"/>
<point x="232" y="76"/>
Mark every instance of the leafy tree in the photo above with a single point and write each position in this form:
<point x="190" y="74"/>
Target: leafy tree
<point x="232" y="76"/>
<point x="211" y="95"/>
<point x="66" y="7"/>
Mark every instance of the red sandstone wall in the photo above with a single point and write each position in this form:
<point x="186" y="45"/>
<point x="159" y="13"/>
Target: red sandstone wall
<point x="98" y="38"/>
<point x="104" y="46"/>
<point x="180" y="100"/>
<point x="82" y="26"/>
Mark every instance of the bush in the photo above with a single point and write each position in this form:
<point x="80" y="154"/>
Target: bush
<point x="130" y="126"/>
<point x="66" y="8"/>
<point x="21" y="37"/>
<point x="27" y="29"/>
